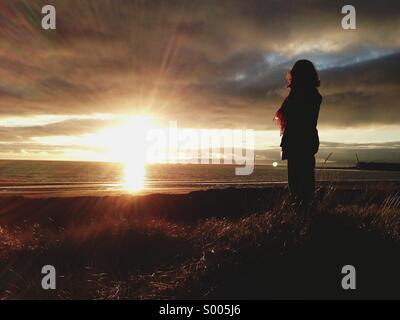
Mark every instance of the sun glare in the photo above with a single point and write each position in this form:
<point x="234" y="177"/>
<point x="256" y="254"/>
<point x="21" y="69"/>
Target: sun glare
<point x="126" y="144"/>
<point x="134" y="176"/>
<point x="131" y="151"/>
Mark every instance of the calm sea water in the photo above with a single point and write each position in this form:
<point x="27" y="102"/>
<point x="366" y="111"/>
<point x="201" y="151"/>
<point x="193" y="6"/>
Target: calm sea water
<point x="80" y="177"/>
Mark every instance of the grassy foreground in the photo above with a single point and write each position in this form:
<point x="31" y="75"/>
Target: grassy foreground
<point x="245" y="243"/>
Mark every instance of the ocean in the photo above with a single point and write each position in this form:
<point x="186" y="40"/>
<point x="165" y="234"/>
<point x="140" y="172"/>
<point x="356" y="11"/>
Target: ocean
<point x="62" y="177"/>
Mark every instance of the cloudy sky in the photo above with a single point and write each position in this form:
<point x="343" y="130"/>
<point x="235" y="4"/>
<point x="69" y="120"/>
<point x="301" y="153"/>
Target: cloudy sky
<point x="205" y="64"/>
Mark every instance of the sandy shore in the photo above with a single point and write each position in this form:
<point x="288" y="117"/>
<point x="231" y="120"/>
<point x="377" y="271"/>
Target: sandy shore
<point x="61" y="190"/>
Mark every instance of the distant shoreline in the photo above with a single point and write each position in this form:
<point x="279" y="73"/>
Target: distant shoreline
<point x="281" y="164"/>
<point x="167" y="164"/>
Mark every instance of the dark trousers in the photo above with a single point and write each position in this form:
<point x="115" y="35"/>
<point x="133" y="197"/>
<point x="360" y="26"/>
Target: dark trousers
<point x="301" y="178"/>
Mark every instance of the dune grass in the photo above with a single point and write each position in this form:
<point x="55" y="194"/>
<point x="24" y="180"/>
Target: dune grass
<point x="109" y="252"/>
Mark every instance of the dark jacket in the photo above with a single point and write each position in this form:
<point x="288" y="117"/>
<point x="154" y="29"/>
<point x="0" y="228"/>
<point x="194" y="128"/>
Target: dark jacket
<point x="300" y="110"/>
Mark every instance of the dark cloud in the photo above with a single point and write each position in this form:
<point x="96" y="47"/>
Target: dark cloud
<point x="203" y="63"/>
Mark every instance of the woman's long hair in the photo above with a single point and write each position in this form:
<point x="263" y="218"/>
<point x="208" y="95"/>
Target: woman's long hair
<point x="302" y="76"/>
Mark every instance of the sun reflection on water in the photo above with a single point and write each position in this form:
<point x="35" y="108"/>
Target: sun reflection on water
<point x="134" y="176"/>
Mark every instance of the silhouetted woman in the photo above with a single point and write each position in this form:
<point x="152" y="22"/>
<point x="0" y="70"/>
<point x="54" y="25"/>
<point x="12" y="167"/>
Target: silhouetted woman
<point x="297" y="119"/>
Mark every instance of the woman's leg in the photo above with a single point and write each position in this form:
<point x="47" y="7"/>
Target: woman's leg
<point x="301" y="178"/>
<point x="308" y="179"/>
<point x="294" y="178"/>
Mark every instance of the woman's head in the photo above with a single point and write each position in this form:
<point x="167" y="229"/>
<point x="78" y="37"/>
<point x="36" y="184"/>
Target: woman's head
<point x="303" y="74"/>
